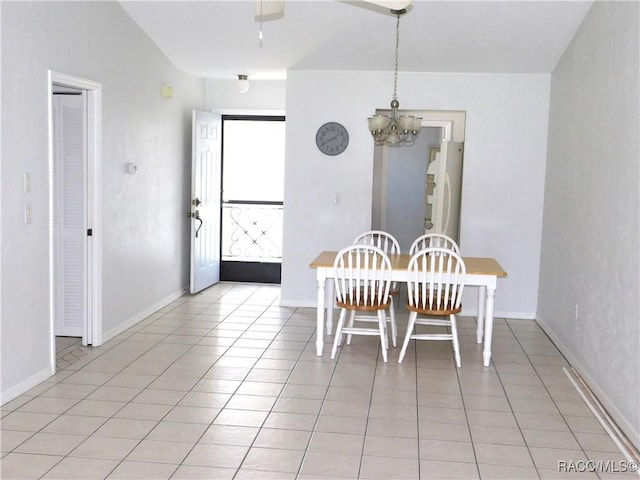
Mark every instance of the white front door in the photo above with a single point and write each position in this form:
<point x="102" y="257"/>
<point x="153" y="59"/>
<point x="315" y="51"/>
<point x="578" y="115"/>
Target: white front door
<point x="204" y="213"/>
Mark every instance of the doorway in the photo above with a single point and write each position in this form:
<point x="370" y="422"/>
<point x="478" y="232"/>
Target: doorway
<point x="252" y="198"/>
<point x="75" y="199"/>
<point x="402" y="180"/>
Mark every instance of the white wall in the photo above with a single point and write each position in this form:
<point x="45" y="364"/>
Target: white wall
<point x="591" y="237"/>
<point x="504" y="167"/>
<point x="144" y="227"/>
<point x="263" y="95"/>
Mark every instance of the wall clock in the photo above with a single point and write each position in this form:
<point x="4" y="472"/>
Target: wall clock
<point x="332" y="138"/>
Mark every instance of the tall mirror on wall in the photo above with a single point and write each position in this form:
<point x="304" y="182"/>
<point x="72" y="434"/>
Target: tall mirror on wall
<point x="417" y="189"/>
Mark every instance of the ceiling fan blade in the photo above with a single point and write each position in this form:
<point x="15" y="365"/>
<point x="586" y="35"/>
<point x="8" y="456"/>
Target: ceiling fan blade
<point x="390" y="4"/>
<point x="269" y="9"/>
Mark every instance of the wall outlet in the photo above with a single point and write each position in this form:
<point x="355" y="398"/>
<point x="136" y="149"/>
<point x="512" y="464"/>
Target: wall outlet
<point x="576" y="311"/>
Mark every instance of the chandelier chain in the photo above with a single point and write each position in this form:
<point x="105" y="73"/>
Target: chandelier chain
<point x="395" y="128"/>
<point x="395" y="76"/>
<point x="260" y="32"/>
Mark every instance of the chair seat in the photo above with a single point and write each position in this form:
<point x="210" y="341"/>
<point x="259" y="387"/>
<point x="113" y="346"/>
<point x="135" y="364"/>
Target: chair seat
<point x="447" y="309"/>
<point x="371" y="306"/>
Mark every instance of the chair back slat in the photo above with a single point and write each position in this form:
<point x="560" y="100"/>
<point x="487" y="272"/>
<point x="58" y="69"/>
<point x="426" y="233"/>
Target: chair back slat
<point x="362" y="275"/>
<point x="433" y="240"/>
<point x="378" y="238"/>
<point x="435" y="279"/>
<point x="383" y="240"/>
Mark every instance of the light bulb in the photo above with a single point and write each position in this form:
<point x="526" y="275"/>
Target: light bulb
<point x="243" y="83"/>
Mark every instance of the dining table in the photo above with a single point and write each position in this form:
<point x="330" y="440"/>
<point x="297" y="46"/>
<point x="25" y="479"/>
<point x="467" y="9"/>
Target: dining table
<point x="481" y="272"/>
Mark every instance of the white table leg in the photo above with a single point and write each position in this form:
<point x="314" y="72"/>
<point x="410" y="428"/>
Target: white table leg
<point x="482" y="295"/>
<point x="330" y="299"/>
<point x="488" y="327"/>
<point x="320" y="316"/>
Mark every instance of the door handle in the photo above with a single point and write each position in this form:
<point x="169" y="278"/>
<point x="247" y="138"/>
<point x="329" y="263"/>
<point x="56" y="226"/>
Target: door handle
<point x="196" y="216"/>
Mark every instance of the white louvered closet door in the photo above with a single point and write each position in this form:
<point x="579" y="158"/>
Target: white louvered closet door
<point x="69" y="218"/>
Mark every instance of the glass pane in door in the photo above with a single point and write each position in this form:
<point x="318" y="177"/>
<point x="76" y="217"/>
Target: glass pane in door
<point x="253" y="160"/>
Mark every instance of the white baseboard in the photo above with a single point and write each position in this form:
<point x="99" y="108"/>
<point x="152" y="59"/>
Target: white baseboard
<point x="515" y="315"/>
<point x="24" y="386"/>
<point x="121" y="327"/>
<point x="284" y="302"/>
<point x="19" y="389"/>
<point x="473" y="312"/>
<point x="623" y="423"/>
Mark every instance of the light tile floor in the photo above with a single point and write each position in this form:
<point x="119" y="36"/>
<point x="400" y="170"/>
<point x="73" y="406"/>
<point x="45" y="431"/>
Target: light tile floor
<point x="226" y="384"/>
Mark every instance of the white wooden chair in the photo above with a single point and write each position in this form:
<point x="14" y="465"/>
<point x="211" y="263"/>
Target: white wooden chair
<point x="389" y="245"/>
<point x="434" y="240"/>
<point x="435" y="280"/>
<point x="362" y="280"/>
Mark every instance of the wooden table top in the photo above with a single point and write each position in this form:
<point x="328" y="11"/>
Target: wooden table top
<point x="474" y="265"/>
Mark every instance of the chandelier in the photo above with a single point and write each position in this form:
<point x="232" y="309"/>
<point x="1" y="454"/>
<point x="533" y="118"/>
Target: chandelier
<point x="395" y="129"/>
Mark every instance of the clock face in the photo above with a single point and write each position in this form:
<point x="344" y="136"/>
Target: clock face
<point x="332" y="138"/>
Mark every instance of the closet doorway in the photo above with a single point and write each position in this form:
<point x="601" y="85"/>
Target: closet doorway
<point x="75" y="236"/>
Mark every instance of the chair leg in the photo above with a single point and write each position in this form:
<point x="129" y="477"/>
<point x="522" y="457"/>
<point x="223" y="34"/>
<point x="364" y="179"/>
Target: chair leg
<point x="454" y="334"/>
<point x="338" y="335"/>
<point x="352" y="318"/>
<point x="394" y="330"/>
<point x="382" y="325"/>
<point x="407" y="337"/>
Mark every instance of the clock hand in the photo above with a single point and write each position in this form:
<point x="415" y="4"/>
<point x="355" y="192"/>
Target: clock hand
<point x="327" y="141"/>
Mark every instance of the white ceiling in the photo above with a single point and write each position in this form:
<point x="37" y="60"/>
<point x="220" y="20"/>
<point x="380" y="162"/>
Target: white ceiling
<point x="219" y="39"/>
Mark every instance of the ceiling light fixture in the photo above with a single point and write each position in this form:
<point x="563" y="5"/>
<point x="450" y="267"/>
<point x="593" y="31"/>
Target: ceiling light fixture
<point x="395" y="129"/>
<point x="243" y="83"/>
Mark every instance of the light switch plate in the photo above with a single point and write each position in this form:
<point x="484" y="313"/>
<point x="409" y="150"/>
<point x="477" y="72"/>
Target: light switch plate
<point x="27" y="213"/>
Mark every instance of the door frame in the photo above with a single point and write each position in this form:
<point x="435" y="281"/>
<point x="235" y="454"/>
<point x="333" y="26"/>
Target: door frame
<point x="92" y="331"/>
<point x="247" y="271"/>
<point x="381" y="152"/>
